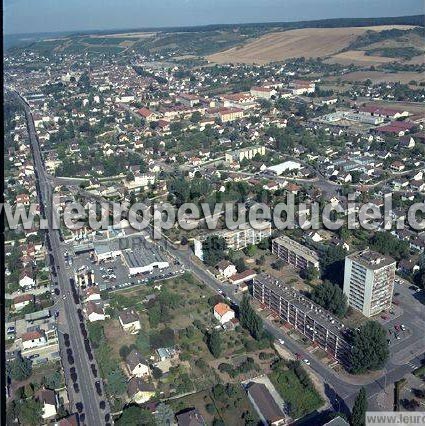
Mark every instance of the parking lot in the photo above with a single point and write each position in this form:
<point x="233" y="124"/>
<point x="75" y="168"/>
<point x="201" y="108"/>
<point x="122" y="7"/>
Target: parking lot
<point x="114" y="274"/>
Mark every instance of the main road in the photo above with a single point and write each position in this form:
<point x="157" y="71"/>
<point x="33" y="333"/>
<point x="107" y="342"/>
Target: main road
<point x="88" y="395"/>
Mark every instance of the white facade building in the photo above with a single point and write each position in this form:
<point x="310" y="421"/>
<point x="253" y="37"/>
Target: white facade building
<point x="369" y="282"/>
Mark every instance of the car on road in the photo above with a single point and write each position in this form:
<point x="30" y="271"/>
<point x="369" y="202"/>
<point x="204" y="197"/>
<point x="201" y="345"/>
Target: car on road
<point x="403" y="327"/>
<point x="64" y="297"/>
<point x="102" y="405"/>
<point x="306" y="361"/>
<point x="79" y="406"/>
<point x="76" y="387"/>
<point x="281" y="341"/>
<point x="397" y="337"/>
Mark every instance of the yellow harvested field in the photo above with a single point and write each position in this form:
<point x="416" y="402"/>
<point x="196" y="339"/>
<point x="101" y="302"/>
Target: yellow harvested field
<point x="380" y="77"/>
<point x="357" y="57"/>
<point x="306" y="42"/>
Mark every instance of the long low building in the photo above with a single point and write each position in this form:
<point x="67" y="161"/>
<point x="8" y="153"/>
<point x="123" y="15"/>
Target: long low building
<point x="240" y="154"/>
<point x="294" y="253"/>
<point x="143" y="261"/>
<point x="311" y="320"/>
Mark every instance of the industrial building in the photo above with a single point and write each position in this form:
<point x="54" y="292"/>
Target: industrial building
<point x="311" y="320"/>
<point x="294" y="253"/>
<point x="369" y="281"/>
<point x="144" y="260"/>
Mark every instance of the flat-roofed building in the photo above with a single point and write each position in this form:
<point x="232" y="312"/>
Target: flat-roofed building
<point x="318" y="325"/>
<point x="240" y="154"/>
<point x="369" y="281"/>
<point x="294" y="253"/>
<point x="188" y="99"/>
<point x="146" y="260"/>
<point x="245" y="235"/>
<point x="262" y="92"/>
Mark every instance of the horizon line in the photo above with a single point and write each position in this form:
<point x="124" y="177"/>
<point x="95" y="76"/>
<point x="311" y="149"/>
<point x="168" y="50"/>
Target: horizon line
<point x="144" y="29"/>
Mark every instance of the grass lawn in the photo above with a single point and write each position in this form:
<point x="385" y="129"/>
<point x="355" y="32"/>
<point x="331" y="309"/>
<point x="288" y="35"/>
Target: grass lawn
<point x="301" y="399"/>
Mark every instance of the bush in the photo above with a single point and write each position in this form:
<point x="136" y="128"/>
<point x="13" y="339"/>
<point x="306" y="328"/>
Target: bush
<point x="210" y="408"/>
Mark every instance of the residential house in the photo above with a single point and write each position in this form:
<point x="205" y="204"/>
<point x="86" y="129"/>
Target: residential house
<point x="92" y="294"/>
<point x="191" y="417"/>
<point x="226" y="268"/>
<point x="95" y="311"/>
<point x="223" y="313"/>
<point x="140" y="391"/>
<point x="19" y="302"/>
<point x="49" y="403"/>
<point x="26" y="278"/>
<point x="33" y="339"/>
<point x="137" y="365"/>
<point x="129" y="320"/>
<point x="242" y="277"/>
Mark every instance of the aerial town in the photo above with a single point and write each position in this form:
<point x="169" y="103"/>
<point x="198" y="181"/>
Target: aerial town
<point x="226" y="326"/>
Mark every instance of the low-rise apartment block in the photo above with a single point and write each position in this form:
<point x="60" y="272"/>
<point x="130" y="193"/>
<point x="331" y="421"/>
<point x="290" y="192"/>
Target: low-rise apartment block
<point x="310" y="319"/>
<point x="294" y="253"/>
<point x="248" y="153"/>
<point x="245" y="235"/>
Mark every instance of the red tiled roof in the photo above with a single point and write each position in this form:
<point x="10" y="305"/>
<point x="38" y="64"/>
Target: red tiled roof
<point x="31" y="335"/>
<point x="221" y="308"/>
<point x="23" y="298"/>
<point x="144" y="112"/>
<point x="243" y="275"/>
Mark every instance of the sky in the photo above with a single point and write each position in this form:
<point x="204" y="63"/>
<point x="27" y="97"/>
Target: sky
<point x="33" y="16"/>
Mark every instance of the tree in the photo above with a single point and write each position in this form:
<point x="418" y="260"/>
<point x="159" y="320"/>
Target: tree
<point x="369" y="348"/>
<point x="214" y="343"/>
<point x="29" y="412"/>
<point x="52" y="381"/>
<point x="124" y="351"/>
<point x="358" y="415"/>
<point x="135" y="415"/>
<point x="196" y="117"/>
<point x="240" y="265"/>
<point x="20" y="368"/>
<point x="164" y="415"/>
<point x="332" y="263"/>
<point x="250" y="250"/>
<point x="311" y="273"/>
<point x="250" y="320"/>
<point x="213" y="249"/>
<point x="331" y="297"/>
